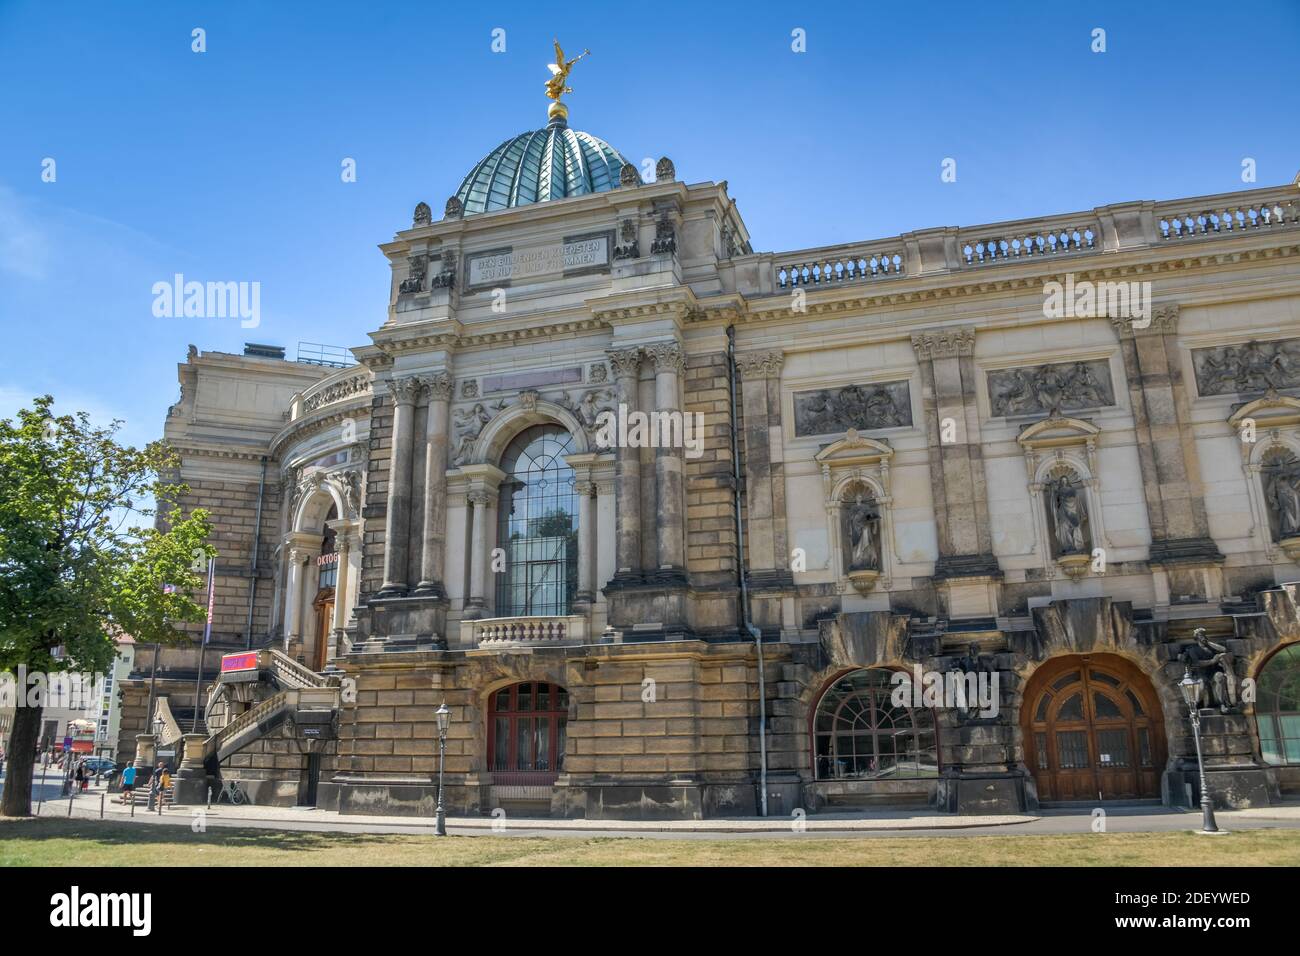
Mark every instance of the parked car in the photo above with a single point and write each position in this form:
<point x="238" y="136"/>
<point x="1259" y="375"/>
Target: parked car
<point x="100" y="766"/>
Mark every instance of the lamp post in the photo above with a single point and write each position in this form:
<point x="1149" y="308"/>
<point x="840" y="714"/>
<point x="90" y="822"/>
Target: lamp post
<point x="443" y="715"/>
<point x="1191" y="689"/>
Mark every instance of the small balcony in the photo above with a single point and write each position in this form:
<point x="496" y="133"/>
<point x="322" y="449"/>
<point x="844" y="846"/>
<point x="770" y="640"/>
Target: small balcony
<point x="544" y="631"/>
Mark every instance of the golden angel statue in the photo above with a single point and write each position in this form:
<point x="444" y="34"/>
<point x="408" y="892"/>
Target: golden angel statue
<point x="555" y="86"/>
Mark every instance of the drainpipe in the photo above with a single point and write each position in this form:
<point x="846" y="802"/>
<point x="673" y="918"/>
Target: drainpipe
<point x="252" y="563"/>
<point x="746" y="624"/>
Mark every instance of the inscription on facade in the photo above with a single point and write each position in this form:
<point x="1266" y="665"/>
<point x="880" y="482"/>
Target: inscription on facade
<point x="1252" y="367"/>
<point x="1037" y="389"/>
<point x="828" y="411"/>
<point x="531" y="261"/>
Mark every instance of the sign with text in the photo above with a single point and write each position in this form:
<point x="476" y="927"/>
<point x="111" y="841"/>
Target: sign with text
<point x="530" y="261"/>
<point x="239" y="662"/>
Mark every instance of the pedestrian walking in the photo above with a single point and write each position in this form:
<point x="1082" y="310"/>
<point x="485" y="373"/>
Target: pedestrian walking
<point x="128" y="783"/>
<point x="80" y="775"/>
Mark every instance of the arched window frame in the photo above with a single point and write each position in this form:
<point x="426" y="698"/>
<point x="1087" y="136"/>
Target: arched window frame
<point x="1268" y="715"/>
<point x="930" y="725"/>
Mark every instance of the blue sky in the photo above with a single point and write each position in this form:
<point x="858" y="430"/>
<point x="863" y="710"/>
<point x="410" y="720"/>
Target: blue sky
<point x="225" y="165"/>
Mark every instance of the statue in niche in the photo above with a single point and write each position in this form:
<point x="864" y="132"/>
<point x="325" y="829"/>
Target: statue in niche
<point x="1281" y="476"/>
<point x="861" y="527"/>
<point x="1217" y="667"/>
<point x="972" y="662"/>
<point x="1068" y="515"/>
<point x="468" y="423"/>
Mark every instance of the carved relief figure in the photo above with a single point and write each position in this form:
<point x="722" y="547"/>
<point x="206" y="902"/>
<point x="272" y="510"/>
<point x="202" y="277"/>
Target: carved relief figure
<point x="589" y="406"/>
<point x="1281" y="478"/>
<point x="864" y="407"/>
<point x="1042" y="388"/>
<point x="468" y="422"/>
<point x="1067" y="515"/>
<point x="861" y="532"/>
<point x="416" y="269"/>
<point x="1252" y="367"/>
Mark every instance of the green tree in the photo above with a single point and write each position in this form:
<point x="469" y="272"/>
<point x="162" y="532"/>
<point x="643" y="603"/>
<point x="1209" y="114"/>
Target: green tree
<point x="74" y="568"/>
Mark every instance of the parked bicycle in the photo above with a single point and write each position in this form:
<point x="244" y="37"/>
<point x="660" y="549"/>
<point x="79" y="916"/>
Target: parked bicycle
<point x="232" y="794"/>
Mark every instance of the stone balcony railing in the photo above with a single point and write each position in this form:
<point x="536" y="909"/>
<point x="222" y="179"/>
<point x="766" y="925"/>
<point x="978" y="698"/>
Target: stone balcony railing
<point x="340" y="386"/>
<point x="955" y="250"/>
<point x="524" y="631"/>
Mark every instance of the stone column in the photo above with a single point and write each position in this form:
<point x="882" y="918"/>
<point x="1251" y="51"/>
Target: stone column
<point x="343" y="542"/>
<point x="764" y="477"/>
<point x="957" y="482"/>
<point x="476" y="606"/>
<point x="586" y="491"/>
<point x="293" y="599"/>
<point x="627" y="470"/>
<point x="670" y="489"/>
<point x="397" y="539"/>
<point x="435" y="486"/>
<point x="1166" y="442"/>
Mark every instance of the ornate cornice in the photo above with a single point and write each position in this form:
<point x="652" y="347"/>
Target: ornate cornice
<point x="761" y="364"/>
<point x="944" y="343"/>
<point x="337" y="392"/>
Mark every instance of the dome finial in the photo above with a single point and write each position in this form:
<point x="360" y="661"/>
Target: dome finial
<point x="555" y="86"/>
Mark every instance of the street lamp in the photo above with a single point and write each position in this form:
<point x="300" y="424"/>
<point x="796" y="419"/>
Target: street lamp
<point x="1191" y="689"/>
<point x="444" y="716"/>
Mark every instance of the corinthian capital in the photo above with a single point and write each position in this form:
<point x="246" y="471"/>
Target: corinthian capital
<point x="625" y="361"/>
<point x="439" y="385"/>
<point x="944" y="343"/>
<point x="760" y="364"/>
<point x="1163" y="320"/>
<point x="667" y="357"/>
<point x="406" y="389"/>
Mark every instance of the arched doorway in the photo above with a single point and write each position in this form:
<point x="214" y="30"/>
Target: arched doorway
<point x="526" y="732"/>
<point x="327" y="571"/>
<point x="1277" y="708"/>
<point x="1093" y="730"/>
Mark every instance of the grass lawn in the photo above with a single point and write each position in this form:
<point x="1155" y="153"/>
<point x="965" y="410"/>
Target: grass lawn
<point x="94" y="843"/>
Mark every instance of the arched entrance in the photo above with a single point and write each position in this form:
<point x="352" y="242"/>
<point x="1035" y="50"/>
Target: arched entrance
<point x="1093" y="730"/>
<point x="526" y="732"/>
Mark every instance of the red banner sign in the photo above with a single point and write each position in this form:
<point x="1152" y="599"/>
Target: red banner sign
<point x="239" y="662"/>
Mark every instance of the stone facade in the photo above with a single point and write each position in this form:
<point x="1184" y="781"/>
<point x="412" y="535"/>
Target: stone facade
<point x="932" y="468"/>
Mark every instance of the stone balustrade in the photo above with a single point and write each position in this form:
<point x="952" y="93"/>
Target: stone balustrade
<point x="1008" y="242"/>
<point x="839" y="264"/>
<point x="524" y="631"/>
<point x="341" y="386"/>
<point x="1178" y="220"/>
<point x="954" y="250"/>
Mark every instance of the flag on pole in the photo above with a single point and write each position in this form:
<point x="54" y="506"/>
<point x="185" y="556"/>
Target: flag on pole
<point x="212" y="591"/>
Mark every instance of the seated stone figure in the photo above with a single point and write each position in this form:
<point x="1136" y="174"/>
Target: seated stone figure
<point x="1216" y="664"/>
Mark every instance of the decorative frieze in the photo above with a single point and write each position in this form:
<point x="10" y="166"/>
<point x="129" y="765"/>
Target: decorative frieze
<point x="829" y="411"/>
<point x="762" y="364"/>
<point x="1038" y="389"/>
<point x="1254" y="367"/>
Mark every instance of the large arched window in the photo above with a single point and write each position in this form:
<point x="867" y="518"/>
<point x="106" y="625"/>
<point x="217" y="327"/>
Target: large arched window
<point x="538" y="525"/>
<point x="858" y="733"/>
<point x="1277" y="707"/>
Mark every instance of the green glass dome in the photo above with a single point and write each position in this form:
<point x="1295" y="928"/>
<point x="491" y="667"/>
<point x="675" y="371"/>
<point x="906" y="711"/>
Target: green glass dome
<point x="550" y="163"/>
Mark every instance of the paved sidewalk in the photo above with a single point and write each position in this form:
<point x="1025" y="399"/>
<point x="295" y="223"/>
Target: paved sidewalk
<point x="867" y="823"/>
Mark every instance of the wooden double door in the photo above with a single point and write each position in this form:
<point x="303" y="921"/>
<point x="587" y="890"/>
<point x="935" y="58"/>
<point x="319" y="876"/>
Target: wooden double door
<point x="1093" y="730"/>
